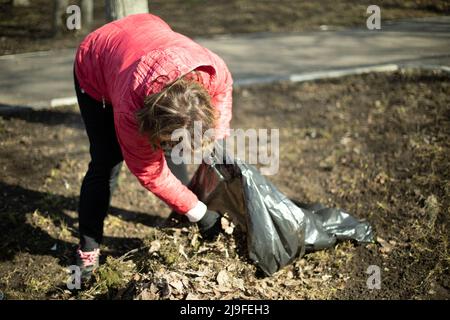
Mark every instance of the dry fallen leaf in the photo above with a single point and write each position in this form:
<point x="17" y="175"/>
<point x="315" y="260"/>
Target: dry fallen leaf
<point x="291" y="283"/>
<point x="326" y="277"/>
<point x="223" y="279"/>
<point x="154" y="246"/>
<point x="194" y="240"/>
<point x="203" y="290"/>
<point x="239" y="283"/>
<point x="385" y="246"/>
<point x="178" y="285"/>
<point x="227" y="225"/>
<point x="192" y="296"/>
<point x="147" y="295"/>
<point x="181" y="251"/>
<point x="202" y="249"/>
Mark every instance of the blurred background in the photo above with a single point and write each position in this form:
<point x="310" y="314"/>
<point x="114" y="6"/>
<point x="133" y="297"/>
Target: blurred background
<point x="30" y="25"/>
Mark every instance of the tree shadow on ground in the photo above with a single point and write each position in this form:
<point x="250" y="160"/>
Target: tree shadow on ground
<point x="67" y="116"/>
<point x="19" y="234"/>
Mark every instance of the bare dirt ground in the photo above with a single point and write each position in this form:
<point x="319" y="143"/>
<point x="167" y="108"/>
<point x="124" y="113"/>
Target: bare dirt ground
<point x="376" y="145"/>
<point x="24" y="29"/>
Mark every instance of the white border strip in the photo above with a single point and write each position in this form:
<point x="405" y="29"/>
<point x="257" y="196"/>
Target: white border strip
<point x="317" y="75"/>
<point x="342" y="72"/>
<point x="61" y="102"/>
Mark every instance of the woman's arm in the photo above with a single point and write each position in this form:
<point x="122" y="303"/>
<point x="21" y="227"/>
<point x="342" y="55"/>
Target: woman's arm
<point x="150" y="168"/>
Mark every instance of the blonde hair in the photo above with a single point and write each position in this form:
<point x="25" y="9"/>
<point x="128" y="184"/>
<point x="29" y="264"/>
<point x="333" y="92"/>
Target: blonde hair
<point x="177" y="106"/>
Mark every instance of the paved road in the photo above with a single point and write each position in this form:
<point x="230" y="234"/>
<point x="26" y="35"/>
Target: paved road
<point x="37" y="79"/>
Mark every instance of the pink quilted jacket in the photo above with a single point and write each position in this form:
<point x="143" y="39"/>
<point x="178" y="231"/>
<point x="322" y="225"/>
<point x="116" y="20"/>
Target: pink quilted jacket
<point x="128" y="59"/>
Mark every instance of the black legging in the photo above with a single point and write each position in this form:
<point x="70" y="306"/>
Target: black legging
<point x="104" y="168"/>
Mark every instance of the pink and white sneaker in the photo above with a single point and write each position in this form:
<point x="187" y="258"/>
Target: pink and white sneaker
<point x="88" y="261"/>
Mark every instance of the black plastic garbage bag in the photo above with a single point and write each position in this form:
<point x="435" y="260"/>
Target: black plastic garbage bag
<point x="278" y="230"/>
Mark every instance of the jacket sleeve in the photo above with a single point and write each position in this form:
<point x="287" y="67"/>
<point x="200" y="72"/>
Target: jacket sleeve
<point x="150" y="167"/>
<point x="222" y="99"/>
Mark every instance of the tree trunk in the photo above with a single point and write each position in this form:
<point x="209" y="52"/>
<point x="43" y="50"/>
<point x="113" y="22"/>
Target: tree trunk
<point x="87" y="14"/>
<point x="59" y="15"/>
<point x="21" y="3"/>
<point x="117" y="9"/>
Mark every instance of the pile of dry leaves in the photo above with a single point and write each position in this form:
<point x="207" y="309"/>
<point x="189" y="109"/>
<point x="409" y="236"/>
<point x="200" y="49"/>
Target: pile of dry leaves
<point x="175" y="263"/>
